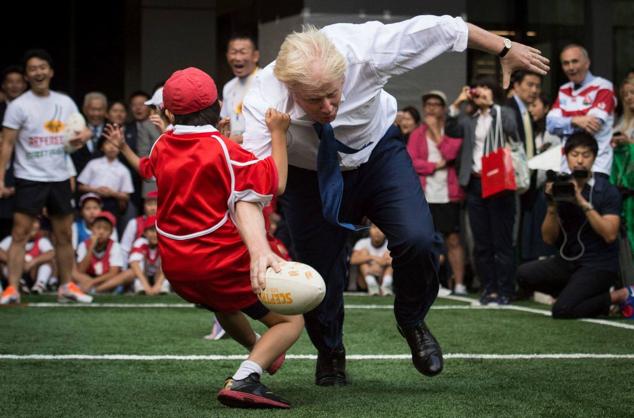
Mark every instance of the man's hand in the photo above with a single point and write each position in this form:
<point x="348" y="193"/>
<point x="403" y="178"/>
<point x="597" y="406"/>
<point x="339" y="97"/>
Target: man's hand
<point x="259" y="265"/>
<point x="522" y="57"/>
<point x="620" y="139"/>
<point x="5" y="191"/>
<point x="81" y="138"/>
<point x="277" y="121"/>
<point x="579" y="199"/>
<point x="589" y="124"/>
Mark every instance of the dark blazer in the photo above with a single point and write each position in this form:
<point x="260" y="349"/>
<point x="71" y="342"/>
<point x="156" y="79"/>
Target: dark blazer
<point x="463" y="126"/>
<point x="512" y="103"/>
<point x="83" y="155"/>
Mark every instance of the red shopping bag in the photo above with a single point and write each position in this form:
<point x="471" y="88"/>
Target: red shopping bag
<point x="498" y="173"/>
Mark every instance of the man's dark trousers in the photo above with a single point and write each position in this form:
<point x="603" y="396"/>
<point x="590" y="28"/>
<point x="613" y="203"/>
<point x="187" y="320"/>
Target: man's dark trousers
<point x="386" y="190"/>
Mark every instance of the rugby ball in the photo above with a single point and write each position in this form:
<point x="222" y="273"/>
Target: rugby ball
<point x="72" y="127"/>
<point x="296" y="289"/>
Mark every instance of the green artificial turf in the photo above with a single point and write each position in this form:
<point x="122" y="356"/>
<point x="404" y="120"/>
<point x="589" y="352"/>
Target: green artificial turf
<point x="170" y="388"/>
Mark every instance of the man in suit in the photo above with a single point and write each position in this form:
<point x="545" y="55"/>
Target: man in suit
<point x="526" y="87"/>
<point x="94" y="109"/>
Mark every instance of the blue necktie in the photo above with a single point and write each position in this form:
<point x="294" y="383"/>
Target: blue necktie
<point x="329" y="174"/>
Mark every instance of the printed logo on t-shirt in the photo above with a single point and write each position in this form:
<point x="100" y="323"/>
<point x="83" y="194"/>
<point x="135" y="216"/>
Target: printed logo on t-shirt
<point x="54" y="125"/>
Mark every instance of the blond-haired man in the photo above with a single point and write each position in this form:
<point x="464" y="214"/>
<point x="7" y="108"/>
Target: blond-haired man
<point x="345" y="162"/>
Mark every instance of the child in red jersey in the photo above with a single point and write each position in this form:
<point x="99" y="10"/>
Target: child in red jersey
<point x="210" y="194"/>
<point x="98" y="257"/>
<point x="38" y="260"/>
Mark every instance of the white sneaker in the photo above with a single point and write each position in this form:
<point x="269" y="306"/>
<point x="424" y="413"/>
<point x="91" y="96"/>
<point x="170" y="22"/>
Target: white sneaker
<point x="443" y="291"/>
<point x="137" y="287"/>
<point x="217" y="332"/>
<point x="38" y="288"/>
<point x="70" y="292"/>
<point x="373" y="286"/>
<point x="386" y="291"/>
<point x="460" y="290"/>
<point x="165" y="287"/>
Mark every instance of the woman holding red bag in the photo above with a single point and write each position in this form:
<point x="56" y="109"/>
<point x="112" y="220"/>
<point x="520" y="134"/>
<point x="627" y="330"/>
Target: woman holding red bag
<point x="491" y="218"/>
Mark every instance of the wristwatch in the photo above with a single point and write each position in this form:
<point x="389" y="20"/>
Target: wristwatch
<point x="507" y="47"/>
<point x="588" y="208"/>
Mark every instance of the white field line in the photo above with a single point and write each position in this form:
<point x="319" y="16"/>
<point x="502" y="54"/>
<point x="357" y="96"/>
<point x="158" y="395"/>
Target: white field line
<point x="364" y="357"/>
<point x="348" y="306"/>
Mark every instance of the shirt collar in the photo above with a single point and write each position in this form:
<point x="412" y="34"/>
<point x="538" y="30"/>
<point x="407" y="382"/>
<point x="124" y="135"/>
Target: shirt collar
<point x="188" y="130"/>
<point x="520" y="104"/>
<point x="588" y="79"/>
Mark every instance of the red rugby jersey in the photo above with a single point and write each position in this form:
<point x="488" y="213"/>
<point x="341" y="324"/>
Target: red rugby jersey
<point x="200" y="176"/>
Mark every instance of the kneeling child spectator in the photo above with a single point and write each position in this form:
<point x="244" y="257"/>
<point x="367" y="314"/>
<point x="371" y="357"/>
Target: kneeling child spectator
<point x="374" y="261"/>
<point x="89" y="208"/>
<point x="38" y="260"/>
<point x="99" y="257"/>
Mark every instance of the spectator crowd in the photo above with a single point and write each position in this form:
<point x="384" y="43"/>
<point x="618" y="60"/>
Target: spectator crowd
<point x="76" y="217"/>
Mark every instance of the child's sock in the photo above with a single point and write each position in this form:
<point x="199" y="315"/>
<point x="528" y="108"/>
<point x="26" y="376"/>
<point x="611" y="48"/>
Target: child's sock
<point x="387" y="281"/>
<point x="44" y="273"/>
<point x="246" y="369"/>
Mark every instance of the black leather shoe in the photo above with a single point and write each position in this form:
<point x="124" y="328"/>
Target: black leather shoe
<point x="426" y="353"/>
<point x="331" y="368"/>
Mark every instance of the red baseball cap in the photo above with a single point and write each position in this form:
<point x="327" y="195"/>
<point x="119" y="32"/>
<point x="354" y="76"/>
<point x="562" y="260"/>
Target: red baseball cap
<point x="104" y="214"/>
<point x="150" y="222"/>
<point x="188" y="91"/>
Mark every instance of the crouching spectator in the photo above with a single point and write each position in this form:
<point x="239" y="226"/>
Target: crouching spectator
<point x="145" y="262"/>
<point x="374" y="261"/>
<point x="38" y="260"/>
<point x="134" y="228"/>
<point x="145" y="273"/>
<point x="584" y="223"/>
<point x="89" y="208"/>
<point x="98" y="257"/>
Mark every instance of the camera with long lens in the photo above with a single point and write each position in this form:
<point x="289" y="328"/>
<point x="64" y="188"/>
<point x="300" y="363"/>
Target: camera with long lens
<point x="563" y="188"/>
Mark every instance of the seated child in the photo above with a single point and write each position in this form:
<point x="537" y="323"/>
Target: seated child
<point x="134" y="229"/>
<point x="38" y="260"/>
<point x="89" y="208"/>
<point x="107" y="177"/>
<point x="209" y="206"/>
<point x="145" y="273"/>
<point x="98" y="257"/>
<point x="374" y="261"/>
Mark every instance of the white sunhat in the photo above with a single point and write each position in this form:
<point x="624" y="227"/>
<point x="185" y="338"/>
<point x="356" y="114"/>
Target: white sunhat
<point x="157" y="99"/>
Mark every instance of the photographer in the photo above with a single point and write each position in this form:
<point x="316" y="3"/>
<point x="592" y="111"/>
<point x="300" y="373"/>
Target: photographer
<point x="583" y="221"/>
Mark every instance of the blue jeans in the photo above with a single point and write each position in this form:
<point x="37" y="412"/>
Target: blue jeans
<point x="386" y="190"/>
<point x="491" y="222"/>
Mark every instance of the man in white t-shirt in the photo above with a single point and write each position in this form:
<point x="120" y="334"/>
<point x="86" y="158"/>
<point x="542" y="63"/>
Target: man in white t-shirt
<point x="34" y="124"/>
<point x="242" y="56"/>
<point x="374" y="261"/>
